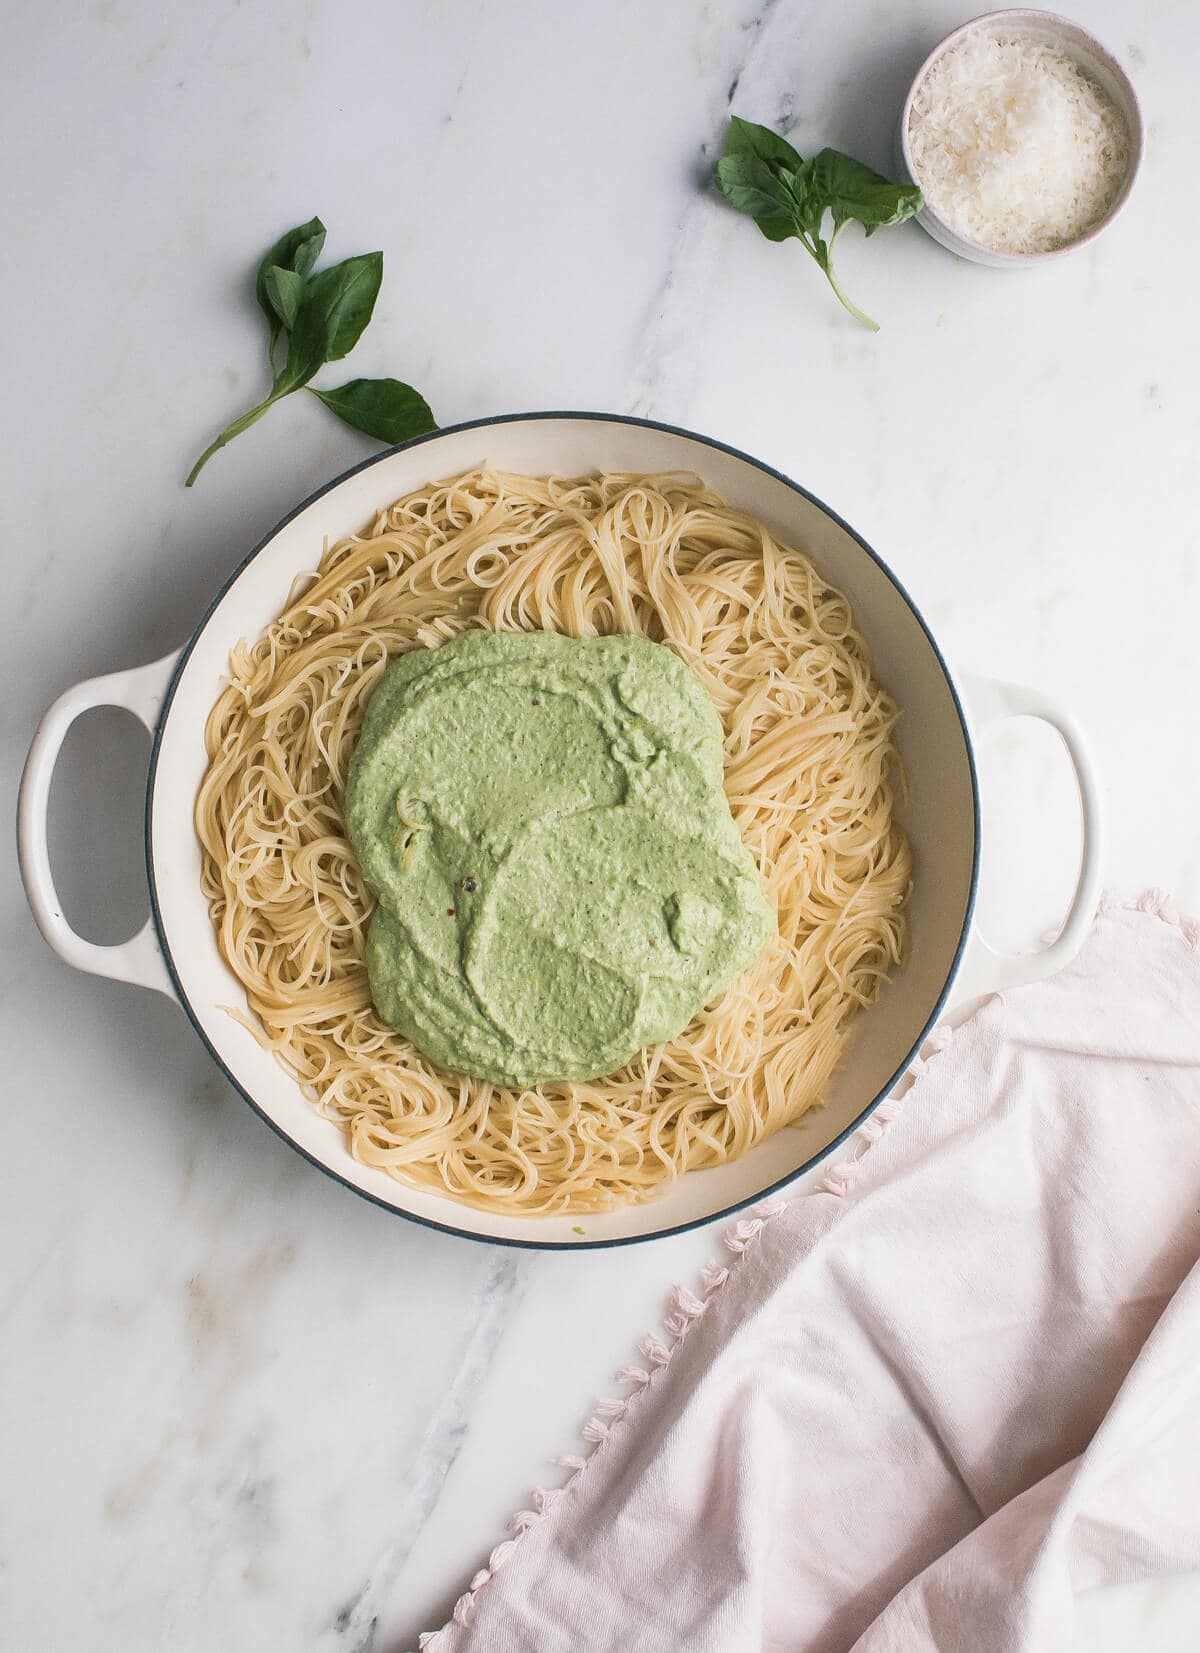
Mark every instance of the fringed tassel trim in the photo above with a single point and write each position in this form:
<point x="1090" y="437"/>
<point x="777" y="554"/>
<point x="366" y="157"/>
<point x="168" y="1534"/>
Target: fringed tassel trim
<point x="686" y="1308"/>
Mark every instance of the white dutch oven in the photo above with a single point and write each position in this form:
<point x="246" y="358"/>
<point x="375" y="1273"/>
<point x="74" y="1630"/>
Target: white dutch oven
<point x="176" y="952"/>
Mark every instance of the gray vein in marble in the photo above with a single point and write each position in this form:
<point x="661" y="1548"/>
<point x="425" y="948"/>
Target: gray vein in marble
<point x="28" y="1279"/>
<point x="488" y="1313"/>
<point x="664" y="378"/>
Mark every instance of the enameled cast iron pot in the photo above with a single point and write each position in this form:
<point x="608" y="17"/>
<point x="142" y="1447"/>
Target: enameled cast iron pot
<point x="176" y="952"/>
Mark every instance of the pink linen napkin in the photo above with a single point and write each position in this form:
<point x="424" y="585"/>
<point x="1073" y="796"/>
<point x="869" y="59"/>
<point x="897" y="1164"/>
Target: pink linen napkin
<point x="938" y="1403"/>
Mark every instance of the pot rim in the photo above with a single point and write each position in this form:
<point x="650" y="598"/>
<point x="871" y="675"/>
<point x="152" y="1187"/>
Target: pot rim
<point x="197" y="1019"/>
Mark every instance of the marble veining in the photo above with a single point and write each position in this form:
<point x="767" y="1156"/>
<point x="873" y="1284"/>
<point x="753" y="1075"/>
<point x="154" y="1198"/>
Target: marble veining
<point x="732" y="63"/>
<point x="241" y="1408"/>
<point x="488" y="1309"/>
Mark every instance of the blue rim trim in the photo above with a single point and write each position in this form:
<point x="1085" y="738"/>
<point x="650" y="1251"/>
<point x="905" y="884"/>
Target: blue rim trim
<point x="582" y="1244"/>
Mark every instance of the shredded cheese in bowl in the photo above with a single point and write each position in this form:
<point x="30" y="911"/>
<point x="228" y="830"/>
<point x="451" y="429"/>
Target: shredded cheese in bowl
<point x="1015" y="146"/>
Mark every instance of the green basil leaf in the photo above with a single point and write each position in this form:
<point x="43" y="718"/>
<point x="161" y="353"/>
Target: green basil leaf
<point x="337" y="306"/>
<point x="305" y="357"/>
<point x="285" y="290"/>
<point x="778" y="229"/>
<point x="745" y="138"/>
<point x="298" y="251"/>
<point x="853" y="191"/>
<point x="384" y="408"/>
<point x="808" y="201"/>
<point x="761" y="174"/>
<point x="309" y="250"/>
<point x="752" y="187"/>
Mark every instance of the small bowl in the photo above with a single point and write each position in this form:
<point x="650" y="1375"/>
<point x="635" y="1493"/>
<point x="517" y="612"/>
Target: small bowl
<point x="1093" y="58"/>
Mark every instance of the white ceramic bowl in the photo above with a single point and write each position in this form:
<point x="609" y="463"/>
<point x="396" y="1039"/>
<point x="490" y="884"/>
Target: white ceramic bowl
<point x="177" y="953"/>
<point x="1093" y="58"/>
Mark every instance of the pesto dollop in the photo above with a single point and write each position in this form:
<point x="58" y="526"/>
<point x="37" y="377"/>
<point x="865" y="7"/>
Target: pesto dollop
<point x="560" y="882"/>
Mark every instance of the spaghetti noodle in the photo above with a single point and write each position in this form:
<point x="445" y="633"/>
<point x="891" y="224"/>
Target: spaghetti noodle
<point x="809" y="771"/>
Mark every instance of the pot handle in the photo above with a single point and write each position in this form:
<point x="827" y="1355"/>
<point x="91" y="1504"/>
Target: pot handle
<point x="985" y="970"/>
<point x="138" y="960"/>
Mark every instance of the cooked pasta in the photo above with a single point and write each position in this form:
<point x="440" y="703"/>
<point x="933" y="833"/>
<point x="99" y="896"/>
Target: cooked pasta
<point x="810" y="772"/>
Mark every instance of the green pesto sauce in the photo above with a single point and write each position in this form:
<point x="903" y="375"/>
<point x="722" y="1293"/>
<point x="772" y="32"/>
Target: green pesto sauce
<point x="560" y="881"/>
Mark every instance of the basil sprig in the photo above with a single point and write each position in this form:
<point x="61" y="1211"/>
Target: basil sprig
<point x="290" y="260"/>
<point x="762" y="175"/>
<point x="322" y="315"/>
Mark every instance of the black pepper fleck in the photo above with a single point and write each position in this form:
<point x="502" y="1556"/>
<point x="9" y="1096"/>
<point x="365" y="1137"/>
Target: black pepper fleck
<point x="469" y="885"/>
<point x="535" y="701"/>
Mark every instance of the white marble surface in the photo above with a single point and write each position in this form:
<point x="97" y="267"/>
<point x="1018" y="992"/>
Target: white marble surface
<point x="239" y="1407"/>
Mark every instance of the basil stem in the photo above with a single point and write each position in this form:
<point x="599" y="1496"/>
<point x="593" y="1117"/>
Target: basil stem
<point x="230" y="431"/>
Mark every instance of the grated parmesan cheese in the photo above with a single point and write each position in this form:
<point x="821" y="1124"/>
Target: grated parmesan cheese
<point x="1014" y="146"/>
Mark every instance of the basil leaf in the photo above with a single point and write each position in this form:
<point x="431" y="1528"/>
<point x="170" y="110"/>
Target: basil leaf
<point x="385" y="408"/>
<point x="853" y="191"/>
<point x="745" y="138"/>
<point x="808" y="204"/>
<point x="309" y="250"/>
<point x="752" y="187"/>
<point x="337" y="306"/>
<point x="285" y="290"/>
<point x="298" y="251"/>
<point x="304" y="358"/>
<point x="761" y="174"/>
<point x="778" y="229"/>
